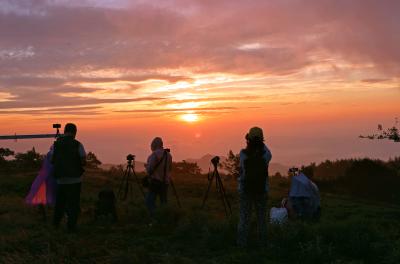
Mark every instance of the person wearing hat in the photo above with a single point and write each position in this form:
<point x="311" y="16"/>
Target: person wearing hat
<point x="253" y="185"/>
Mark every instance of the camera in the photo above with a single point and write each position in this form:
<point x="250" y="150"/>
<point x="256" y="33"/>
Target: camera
<point x="130" y="157"/>
<point x="215" y="161"/>
<point x="57" y="126"/>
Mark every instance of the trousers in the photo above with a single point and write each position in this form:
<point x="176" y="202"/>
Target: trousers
<point x="67" y="202"/>
<point x="151" y="198"/>
<point x="247" y="202"/>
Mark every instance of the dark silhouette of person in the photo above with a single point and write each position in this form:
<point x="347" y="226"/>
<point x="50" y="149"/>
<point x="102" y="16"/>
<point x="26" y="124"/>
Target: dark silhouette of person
<point x="69" y="158"/>
<point x="158" y="167"/>
<point x="253" y="185"/>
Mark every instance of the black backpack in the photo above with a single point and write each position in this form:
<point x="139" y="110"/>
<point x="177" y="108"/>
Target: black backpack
<point x="256" y="173"/>
<point x="106" y="205"/>
<point x="66" y="159"/>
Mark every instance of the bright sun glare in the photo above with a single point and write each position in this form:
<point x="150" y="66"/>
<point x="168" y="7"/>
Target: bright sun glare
<point x="190" y="118"/>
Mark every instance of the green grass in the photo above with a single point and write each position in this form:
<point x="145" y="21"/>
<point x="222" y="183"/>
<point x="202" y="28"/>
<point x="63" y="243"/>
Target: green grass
<point x="350" y="231"/>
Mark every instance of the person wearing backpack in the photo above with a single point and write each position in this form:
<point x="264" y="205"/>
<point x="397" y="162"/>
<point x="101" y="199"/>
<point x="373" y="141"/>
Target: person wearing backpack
<point x="158" y="168"/>
<point x="68" y="159"/>
<point x="253" y="185"/>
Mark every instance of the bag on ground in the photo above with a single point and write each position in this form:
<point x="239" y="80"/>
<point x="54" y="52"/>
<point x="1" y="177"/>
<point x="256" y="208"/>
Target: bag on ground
<point x="278" y="215"/>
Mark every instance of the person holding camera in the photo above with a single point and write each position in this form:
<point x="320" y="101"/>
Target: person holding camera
<point x="253" y="185"/>
<point x="69" y="158"/>
<point x="158" y="168"/>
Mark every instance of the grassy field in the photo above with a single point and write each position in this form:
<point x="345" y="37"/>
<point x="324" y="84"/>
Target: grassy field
<point x="350" y="231"/>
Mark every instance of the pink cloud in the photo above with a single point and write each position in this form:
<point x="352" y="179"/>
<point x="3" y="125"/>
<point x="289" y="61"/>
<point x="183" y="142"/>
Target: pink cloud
<point x="201" y="36"/>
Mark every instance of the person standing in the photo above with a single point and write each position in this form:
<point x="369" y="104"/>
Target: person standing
<point x="253" y="185"/>
<point x="69" y="158"/>
<point x="158" y="168"/>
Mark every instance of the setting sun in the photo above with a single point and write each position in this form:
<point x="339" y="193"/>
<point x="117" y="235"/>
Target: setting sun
<point x="190" y="118"/>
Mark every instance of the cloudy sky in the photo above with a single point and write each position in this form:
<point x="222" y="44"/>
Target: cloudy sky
<point x="314" y="74"/>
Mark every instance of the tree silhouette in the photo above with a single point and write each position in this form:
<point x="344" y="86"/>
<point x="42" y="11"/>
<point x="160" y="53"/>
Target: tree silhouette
<point x="5" y="152"/>
<point x="186" y="168"/>
<point x="391" y="133"/>
<point x="92" y="161"/>
<point x="28" y="160"/>
<point x="232" y="164"/>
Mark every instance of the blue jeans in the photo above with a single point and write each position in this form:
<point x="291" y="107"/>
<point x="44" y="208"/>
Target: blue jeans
<point x="246" y="206"/>
<point x="151" y="198"/>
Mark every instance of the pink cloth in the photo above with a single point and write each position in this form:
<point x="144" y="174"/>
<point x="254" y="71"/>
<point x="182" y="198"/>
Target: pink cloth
<point x="44" y="186"/>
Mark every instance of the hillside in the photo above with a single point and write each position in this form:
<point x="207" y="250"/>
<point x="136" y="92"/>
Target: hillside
<point x="350" y="230"/>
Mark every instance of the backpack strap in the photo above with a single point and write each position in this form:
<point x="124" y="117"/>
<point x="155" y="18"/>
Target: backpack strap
<point x="158" y="165"/>
<point x="165" y="165"/>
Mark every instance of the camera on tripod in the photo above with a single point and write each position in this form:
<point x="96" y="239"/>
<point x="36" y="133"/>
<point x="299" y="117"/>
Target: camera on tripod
<point x="125" y="189"/>
<point x="130" y="157"/>
<point x="57" y="126"/>
<point x="215" y="161"/>
<point x="214" y="175"/>
<point x="294" y="170"/>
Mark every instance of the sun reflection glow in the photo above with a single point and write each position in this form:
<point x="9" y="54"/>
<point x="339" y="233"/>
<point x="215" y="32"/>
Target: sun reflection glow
<point x="190" y="118"/>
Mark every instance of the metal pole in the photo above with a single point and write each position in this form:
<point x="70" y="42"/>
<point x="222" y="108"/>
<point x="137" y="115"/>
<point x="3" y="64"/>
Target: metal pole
<point x="16" y="137"/>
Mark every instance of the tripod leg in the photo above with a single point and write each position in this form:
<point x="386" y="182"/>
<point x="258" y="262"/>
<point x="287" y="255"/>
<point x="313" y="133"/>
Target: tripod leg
<point x="219" y="190"/>
<point x="126" y="187"/>
<point x="139" y="184"/>
<point x="122" y="187"/>
<point x="129" y="183"/>
<point x="225" y="200"/>
<point x="210" y="181"/>
<point x="175" y="193"/>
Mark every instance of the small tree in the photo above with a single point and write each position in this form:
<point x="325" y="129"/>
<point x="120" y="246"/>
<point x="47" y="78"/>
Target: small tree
<point x="186" y="168"/>
<point x="4" y="163"/>
<point x="29" y="160"/>
<point x="5" y="152"/>
<point x="232" y="164"/>
<point x="389" y="133"/>
<point x="92" y="161"/>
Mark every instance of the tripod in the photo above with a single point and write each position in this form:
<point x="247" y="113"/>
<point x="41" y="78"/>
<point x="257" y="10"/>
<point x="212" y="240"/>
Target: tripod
<point x="125" y="188"/>
<point x="219" y="186"/>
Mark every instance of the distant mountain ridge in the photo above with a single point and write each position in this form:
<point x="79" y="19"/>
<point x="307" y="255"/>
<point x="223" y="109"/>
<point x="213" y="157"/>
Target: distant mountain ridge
<point x="205" y="164"/>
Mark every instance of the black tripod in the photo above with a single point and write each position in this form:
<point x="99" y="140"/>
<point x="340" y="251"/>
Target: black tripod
<point x="125" y="188"/>
<point x="220" y="187"/>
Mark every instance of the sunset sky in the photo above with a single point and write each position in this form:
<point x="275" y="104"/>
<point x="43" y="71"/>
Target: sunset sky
<point x="313" y="74"/>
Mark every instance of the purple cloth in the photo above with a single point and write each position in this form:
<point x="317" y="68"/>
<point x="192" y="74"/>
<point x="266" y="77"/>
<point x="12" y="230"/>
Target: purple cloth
<point x="44" y="186"/>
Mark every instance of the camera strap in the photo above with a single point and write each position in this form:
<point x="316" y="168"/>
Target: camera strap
<point x="165" y="165"/>
<point x="158" y="165"/>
